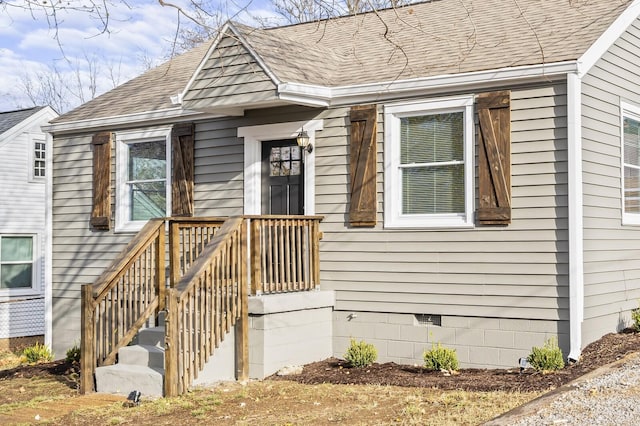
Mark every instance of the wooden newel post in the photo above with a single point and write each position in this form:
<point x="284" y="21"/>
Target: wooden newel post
<point x="242" y="323"/>
<point x="161" y="276"/>
<point x="174" y="254"/>
<point x="87" y="341"/>
<point x="171" y="346"/>
<point x="255" y="260"/>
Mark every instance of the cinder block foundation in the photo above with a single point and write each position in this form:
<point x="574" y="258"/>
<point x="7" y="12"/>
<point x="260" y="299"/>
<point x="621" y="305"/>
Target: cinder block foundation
<point x="289" y="329"/>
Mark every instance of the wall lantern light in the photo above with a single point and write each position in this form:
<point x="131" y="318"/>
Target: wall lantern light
<point x="303" y="141"/>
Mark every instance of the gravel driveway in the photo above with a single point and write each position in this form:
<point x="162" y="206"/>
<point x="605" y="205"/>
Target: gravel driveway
<point x="609" y="395"/>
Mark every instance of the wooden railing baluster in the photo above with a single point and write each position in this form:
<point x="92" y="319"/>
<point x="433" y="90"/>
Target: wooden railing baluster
<point x="209" y="265"/>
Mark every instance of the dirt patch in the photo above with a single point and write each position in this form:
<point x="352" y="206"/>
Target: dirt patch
<point x="386" y="394"/>
<point x="609" y="348"/>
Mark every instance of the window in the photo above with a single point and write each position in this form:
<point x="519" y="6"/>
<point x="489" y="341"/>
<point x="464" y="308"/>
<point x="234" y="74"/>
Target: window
<point x="143" y="188"/>
<point x="16" y="262"/>
<point x="428" y="163"/>
<point x="39" y="156"/>
<point x="631" y="164"/>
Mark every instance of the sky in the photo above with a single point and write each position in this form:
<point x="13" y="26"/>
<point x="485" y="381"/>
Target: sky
<point x="140" y="33"/>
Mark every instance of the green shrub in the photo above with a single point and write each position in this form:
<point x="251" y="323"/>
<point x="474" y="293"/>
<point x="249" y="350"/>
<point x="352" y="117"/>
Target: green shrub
<point x="37" y="353"/>
<point x="361" y="354"/>
<point x="73" y="354"/>
<point x="635" y="316"/>
<point x="548" y="357"/>
<point x="440" y="358"/>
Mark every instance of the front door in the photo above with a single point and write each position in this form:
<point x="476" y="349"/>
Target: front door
<point x="282" y="178"/>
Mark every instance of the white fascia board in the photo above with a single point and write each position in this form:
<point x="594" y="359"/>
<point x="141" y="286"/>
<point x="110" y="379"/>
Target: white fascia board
<point x="129" y="120"/>
<point x="342" y="95"/>
<point x="576" y="240"/>
<point x="606" y="39"/>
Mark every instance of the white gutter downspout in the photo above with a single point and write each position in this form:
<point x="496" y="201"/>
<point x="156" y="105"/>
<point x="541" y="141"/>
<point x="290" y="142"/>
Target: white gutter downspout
<point x="48" y="258"/>
<point x="576" y="243"/>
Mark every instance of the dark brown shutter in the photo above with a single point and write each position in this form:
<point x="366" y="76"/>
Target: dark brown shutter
<point x="494" y="158"/>
<point x="182" y="164"/>
<point x="101" y="210"/>
<point x="362" y="159"/>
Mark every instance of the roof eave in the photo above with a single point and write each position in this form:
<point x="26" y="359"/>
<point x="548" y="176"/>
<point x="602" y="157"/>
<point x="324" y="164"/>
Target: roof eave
<point x="46" y="112"/>
<point x="321" y="96"/>
<point x="606" y="39"/>
<point x="147" y="118"/>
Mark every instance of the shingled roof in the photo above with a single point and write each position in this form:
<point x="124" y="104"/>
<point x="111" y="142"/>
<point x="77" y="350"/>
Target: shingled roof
<point x="9" y="119"/>
<point x="441" y="37"/>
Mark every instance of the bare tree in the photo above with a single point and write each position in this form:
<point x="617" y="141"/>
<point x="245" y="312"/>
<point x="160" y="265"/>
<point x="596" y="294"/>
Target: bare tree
<point x="73" y="81"/>
<point x="297" y="11"/>
<point x="67" y="84"/>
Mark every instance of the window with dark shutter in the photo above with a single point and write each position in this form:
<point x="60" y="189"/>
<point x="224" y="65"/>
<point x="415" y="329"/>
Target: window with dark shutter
<point x="182" y="186"/>
<point x="362" y="161"/>
<point x="494" y="158"/>
<point x="101" y="210"/>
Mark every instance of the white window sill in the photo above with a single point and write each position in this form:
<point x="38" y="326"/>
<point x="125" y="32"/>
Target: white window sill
<point x="631" y="219"/>
<point x="130" y="227"/>
<point x="9" y="294"/>
<point x="428" y="222"/>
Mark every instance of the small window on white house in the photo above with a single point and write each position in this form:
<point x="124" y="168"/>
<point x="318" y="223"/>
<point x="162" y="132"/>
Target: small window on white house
<point x="143" y="170"/>
<point x="16" y="262"/>
<point x="631" y="164"/>
<point x="429" y="163"/>
<point x="39" y="158"/>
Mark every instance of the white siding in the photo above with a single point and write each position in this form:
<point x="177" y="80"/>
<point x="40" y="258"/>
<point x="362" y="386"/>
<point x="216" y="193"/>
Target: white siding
<point x="611" y="251"/>
<point x="22" y="211"/>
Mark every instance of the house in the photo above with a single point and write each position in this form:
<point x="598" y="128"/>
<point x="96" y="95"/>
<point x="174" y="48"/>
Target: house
<point x="24" y="235"/>
<point x="474" y="165"/>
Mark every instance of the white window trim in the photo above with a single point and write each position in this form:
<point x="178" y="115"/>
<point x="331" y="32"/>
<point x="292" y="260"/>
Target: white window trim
<point x="123" y="223"/>
<point x="253" y="137"/>
<point x="393" y="217"/>
<point x="633" y="112"/>
<point x="36" y="288"/>
<point x="32" y="157"/>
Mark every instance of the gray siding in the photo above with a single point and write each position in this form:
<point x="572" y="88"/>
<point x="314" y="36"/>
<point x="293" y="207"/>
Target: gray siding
<point x="230" y="76"/>
<point x="519" y="271"/>
<point x="611" y="250"/>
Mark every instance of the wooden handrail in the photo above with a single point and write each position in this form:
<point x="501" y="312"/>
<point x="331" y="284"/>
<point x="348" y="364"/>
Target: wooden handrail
<point x="209" y="267"/>
<point x="187" y="239"/>
<point x="207" y="301"/>
<point x="124" y="259"/>
<point x="121" y="300"/>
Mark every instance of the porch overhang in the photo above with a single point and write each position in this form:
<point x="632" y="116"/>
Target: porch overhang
<point x="316" y="96"/>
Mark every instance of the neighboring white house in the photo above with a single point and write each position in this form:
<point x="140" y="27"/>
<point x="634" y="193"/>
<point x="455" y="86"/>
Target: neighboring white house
<point x="23" y="230"/>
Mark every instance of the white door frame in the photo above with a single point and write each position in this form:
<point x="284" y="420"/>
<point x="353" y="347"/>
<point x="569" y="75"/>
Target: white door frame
<point x="253" y="137"/>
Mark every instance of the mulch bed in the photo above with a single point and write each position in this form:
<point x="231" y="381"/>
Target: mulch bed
<point x="608" y="349"/>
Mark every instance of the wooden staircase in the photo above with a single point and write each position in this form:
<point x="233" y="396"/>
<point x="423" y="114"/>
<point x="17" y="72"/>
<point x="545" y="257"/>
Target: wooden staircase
<point x="213" y="266"/>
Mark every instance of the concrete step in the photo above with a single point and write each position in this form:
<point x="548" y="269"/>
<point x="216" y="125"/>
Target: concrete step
<point x="145" y="355"/>
<point x="153" y="336"/>
<point x="122" y="379"/>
